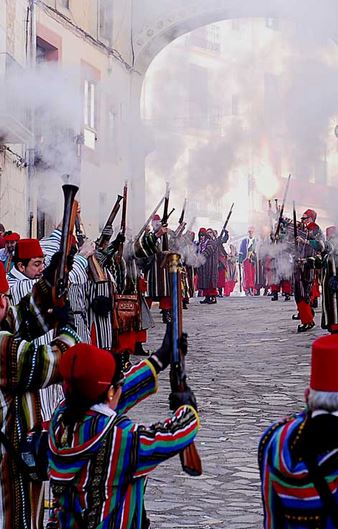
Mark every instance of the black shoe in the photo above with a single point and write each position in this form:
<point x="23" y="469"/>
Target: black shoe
<point x="205" y="300"/>
<point x="306" y="327"/>
<point x="274" y="296"/>
<point x="314" y="304"/>
<point x="139" y="351"/>
<point x="295" y="316"/>
<point x="166" y="316"/>
<point x="212" y="300"/>
<point x="287" y="297"/>
<point x="185" y="305"/>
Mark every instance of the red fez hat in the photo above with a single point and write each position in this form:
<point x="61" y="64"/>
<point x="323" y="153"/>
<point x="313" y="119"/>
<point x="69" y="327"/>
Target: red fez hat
<point x="4" y="286"/>
<point x="156" y="217"/>
<point x="87" y="371"/>
<point x="28" y="248"/>
<point x="324" y="363"/>
<point x="202" y="230"/>
<point x="310" y="213"/>
<point x="331" y="231"/>
<point x="11" y="236"/>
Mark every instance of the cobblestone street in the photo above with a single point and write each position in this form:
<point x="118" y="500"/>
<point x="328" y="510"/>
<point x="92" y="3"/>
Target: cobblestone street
<point x="247" y="366"/>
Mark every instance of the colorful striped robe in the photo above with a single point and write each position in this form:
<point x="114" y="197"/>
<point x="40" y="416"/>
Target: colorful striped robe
<point x="290" y="499"/>
<point x="98" y="470"/>
<point x="25" y="367"/>
<point x="21" y="285"/>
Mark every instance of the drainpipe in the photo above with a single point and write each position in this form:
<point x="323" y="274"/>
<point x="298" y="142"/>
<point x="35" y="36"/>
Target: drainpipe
<point x="31" y="63"/>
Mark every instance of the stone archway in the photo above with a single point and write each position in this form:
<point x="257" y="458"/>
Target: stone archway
<point x="170" y="20"/>
<point x="154" y="27"/>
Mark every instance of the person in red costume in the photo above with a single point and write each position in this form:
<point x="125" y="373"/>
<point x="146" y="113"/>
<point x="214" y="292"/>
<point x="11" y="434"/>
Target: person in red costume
<point x="310" y="244"/>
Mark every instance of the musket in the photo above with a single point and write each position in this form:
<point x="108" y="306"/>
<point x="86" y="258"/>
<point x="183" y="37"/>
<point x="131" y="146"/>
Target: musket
<point x="123" y="220"/>
<point x="142" y="230"/>
<point x="60" y="290"/>
<point x="165" y="218"/>
<point x="226" y="221"/>
<point x="190" y="459"/>
<point x="295" y="229"/>
<point x="103" y="240"/>
<point x="181" y="219"/>
<point x="96" y="272"/>
<point x="181" y="224"/>
<point x="281" y="212"/>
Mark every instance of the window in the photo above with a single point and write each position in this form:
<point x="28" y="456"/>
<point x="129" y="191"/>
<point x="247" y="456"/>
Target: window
<point x="213" y="38"/>
<point x="45" y="51"/>
<point x="89" y="104"/>
<point x="272" y="23"/>
<point x="106" y="20"/>
<point x="198" y="96"/>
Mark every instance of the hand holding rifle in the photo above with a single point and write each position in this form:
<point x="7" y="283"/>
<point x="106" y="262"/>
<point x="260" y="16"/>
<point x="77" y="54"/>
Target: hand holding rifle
<point x="224" y="235"/>
<point x="281" y="211"/>
<point x="181" y="394"/>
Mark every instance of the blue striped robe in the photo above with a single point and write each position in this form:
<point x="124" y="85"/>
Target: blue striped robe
<point x="98" y="470"/>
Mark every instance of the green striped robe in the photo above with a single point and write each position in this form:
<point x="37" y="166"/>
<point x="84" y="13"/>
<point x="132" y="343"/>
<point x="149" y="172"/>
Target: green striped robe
<point x="25" y="367"/>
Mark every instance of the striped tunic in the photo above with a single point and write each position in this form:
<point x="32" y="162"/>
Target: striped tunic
<point x="98" y="470"/>
<point x="25" y="367"/>
<point x="21" y="285"/>
<point x="290" y="499"/>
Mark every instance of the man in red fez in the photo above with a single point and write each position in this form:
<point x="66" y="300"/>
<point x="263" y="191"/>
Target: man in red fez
<point x="25" y="367"/>
<point x="298" y="455"/>
<point x="28" y="266"/>
<point x="310" y="245"/>
<point x="6" y="254"/>
<point x="28" y="258"/>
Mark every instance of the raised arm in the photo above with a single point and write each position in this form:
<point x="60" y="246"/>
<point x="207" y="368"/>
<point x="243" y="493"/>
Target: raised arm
<point x="163" y="440"/>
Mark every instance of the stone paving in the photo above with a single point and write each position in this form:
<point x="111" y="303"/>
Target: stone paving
<point x="247" y="366"/>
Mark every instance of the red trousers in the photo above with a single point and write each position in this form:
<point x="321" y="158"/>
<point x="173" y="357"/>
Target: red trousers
<point x="315" y="292"/>
<point x="164" y="304"/>
<point x="210" y="292"/>
<point x="249" y="275"/>
<point x="229" y="287"/>
<point x="305" y="312"/>
<point x="285" y="285"/>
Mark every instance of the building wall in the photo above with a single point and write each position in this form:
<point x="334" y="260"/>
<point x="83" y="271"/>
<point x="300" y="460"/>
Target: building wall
<point x="13" y="173"/>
